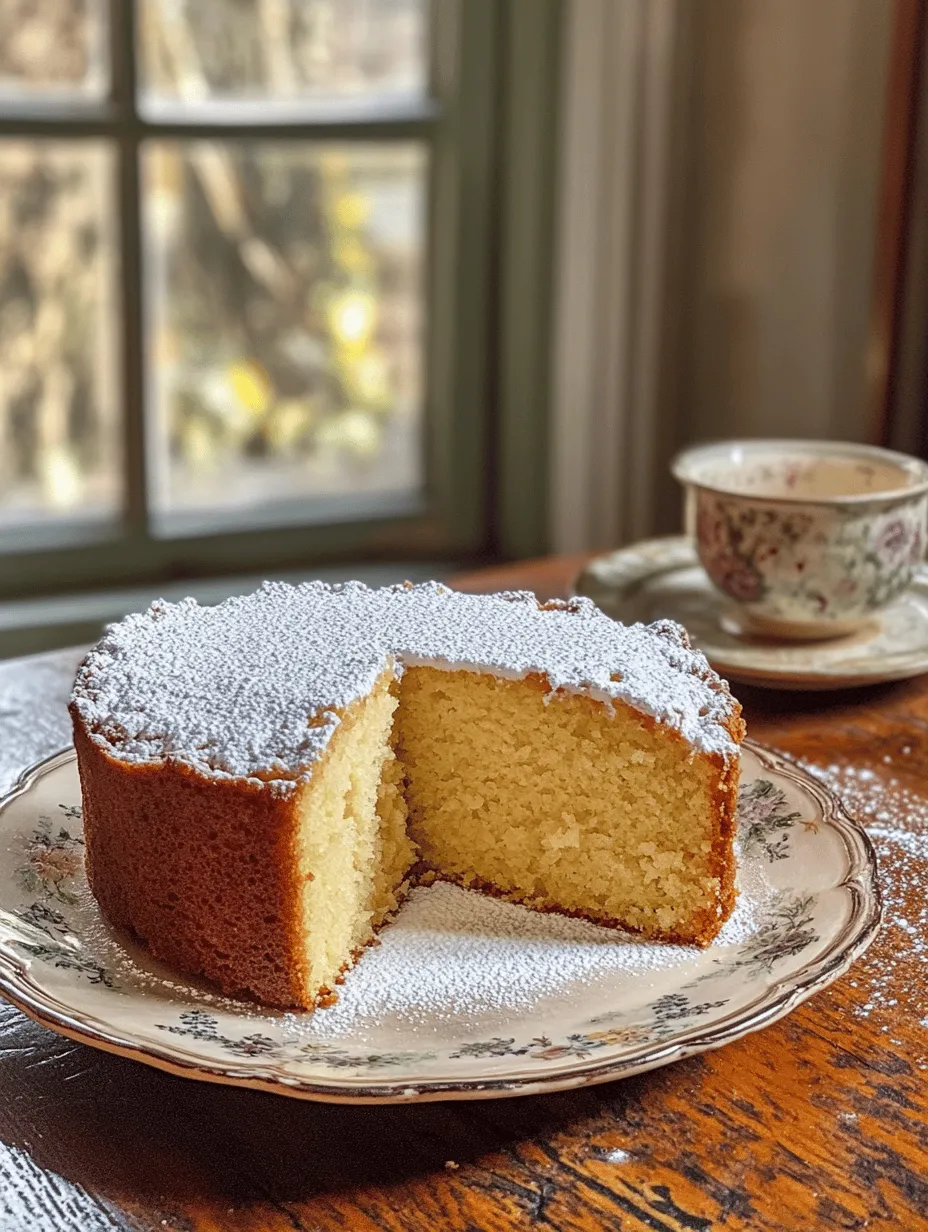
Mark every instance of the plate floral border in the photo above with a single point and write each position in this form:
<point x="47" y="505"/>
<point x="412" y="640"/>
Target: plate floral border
<point x="253" y="1067"/>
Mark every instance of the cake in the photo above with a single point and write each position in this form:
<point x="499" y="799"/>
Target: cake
<point x="263" y="780"/>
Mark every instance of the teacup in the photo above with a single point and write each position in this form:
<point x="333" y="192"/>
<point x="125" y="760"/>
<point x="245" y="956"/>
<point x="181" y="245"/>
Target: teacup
<point x="809" y="539"/>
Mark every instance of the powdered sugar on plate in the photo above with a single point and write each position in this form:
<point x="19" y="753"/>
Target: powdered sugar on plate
<point x="452" y="957"/>
<point x="456" y="954"/>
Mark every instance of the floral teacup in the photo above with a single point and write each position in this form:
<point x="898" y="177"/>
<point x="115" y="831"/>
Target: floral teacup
<point x="808" y="538"/>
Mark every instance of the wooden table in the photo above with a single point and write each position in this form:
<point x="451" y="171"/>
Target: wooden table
<point x="819" y="1122"/>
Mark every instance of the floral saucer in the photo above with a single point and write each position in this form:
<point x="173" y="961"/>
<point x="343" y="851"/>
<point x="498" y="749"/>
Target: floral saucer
<point x="661" y="578"/>
<point x="466" y="997"/>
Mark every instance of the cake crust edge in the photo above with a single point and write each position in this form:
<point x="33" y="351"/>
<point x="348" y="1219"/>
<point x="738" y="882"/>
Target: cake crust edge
<point x="247" y="942"/>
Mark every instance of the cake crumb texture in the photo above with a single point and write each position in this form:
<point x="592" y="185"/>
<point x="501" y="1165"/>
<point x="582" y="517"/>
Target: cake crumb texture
<point x="560" y="807"/>
<point x="353" y="850"/>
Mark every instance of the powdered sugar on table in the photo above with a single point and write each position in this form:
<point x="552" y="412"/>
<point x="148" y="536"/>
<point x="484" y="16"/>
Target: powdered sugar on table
<point x="896" y="818"/>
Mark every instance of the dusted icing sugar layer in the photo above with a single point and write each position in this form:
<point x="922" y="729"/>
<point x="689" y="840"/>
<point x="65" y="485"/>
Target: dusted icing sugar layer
<point x="250" y="688"/>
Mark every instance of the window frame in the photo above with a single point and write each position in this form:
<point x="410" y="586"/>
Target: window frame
<point x="458" y="124"/>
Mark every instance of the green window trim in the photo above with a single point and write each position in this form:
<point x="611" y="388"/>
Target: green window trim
<point x="490" y="129"/>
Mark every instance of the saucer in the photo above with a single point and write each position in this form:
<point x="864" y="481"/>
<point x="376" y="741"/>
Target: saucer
<point x="662" y="578"/>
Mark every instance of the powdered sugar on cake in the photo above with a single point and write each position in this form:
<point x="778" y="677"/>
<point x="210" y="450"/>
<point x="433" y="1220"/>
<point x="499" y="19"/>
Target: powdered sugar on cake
<point x="231" y="689"/>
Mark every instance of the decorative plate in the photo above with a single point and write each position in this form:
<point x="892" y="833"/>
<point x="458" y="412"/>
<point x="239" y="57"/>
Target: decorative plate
<point x="466" y="997"/>
<point x="663" y="578"/>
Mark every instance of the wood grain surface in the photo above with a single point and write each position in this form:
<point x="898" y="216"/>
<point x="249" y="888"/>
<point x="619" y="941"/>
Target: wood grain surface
<point x="818" y="1122"/>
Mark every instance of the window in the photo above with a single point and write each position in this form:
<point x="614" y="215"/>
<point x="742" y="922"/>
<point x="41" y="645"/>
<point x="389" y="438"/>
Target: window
<point x="246" y="284"/>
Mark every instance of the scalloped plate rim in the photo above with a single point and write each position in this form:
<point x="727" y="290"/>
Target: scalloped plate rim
<point x="780" y="998"/>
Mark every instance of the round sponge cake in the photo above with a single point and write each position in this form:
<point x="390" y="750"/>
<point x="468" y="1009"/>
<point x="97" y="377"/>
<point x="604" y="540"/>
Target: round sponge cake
<point x="262" y="779"/>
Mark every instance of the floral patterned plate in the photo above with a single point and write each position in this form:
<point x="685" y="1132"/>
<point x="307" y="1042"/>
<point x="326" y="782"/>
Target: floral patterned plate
<point x="660" y="578"/>
<point x="466" y="997"/>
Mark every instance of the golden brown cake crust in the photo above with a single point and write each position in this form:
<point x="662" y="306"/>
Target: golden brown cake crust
<point x="200" y="869"/>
